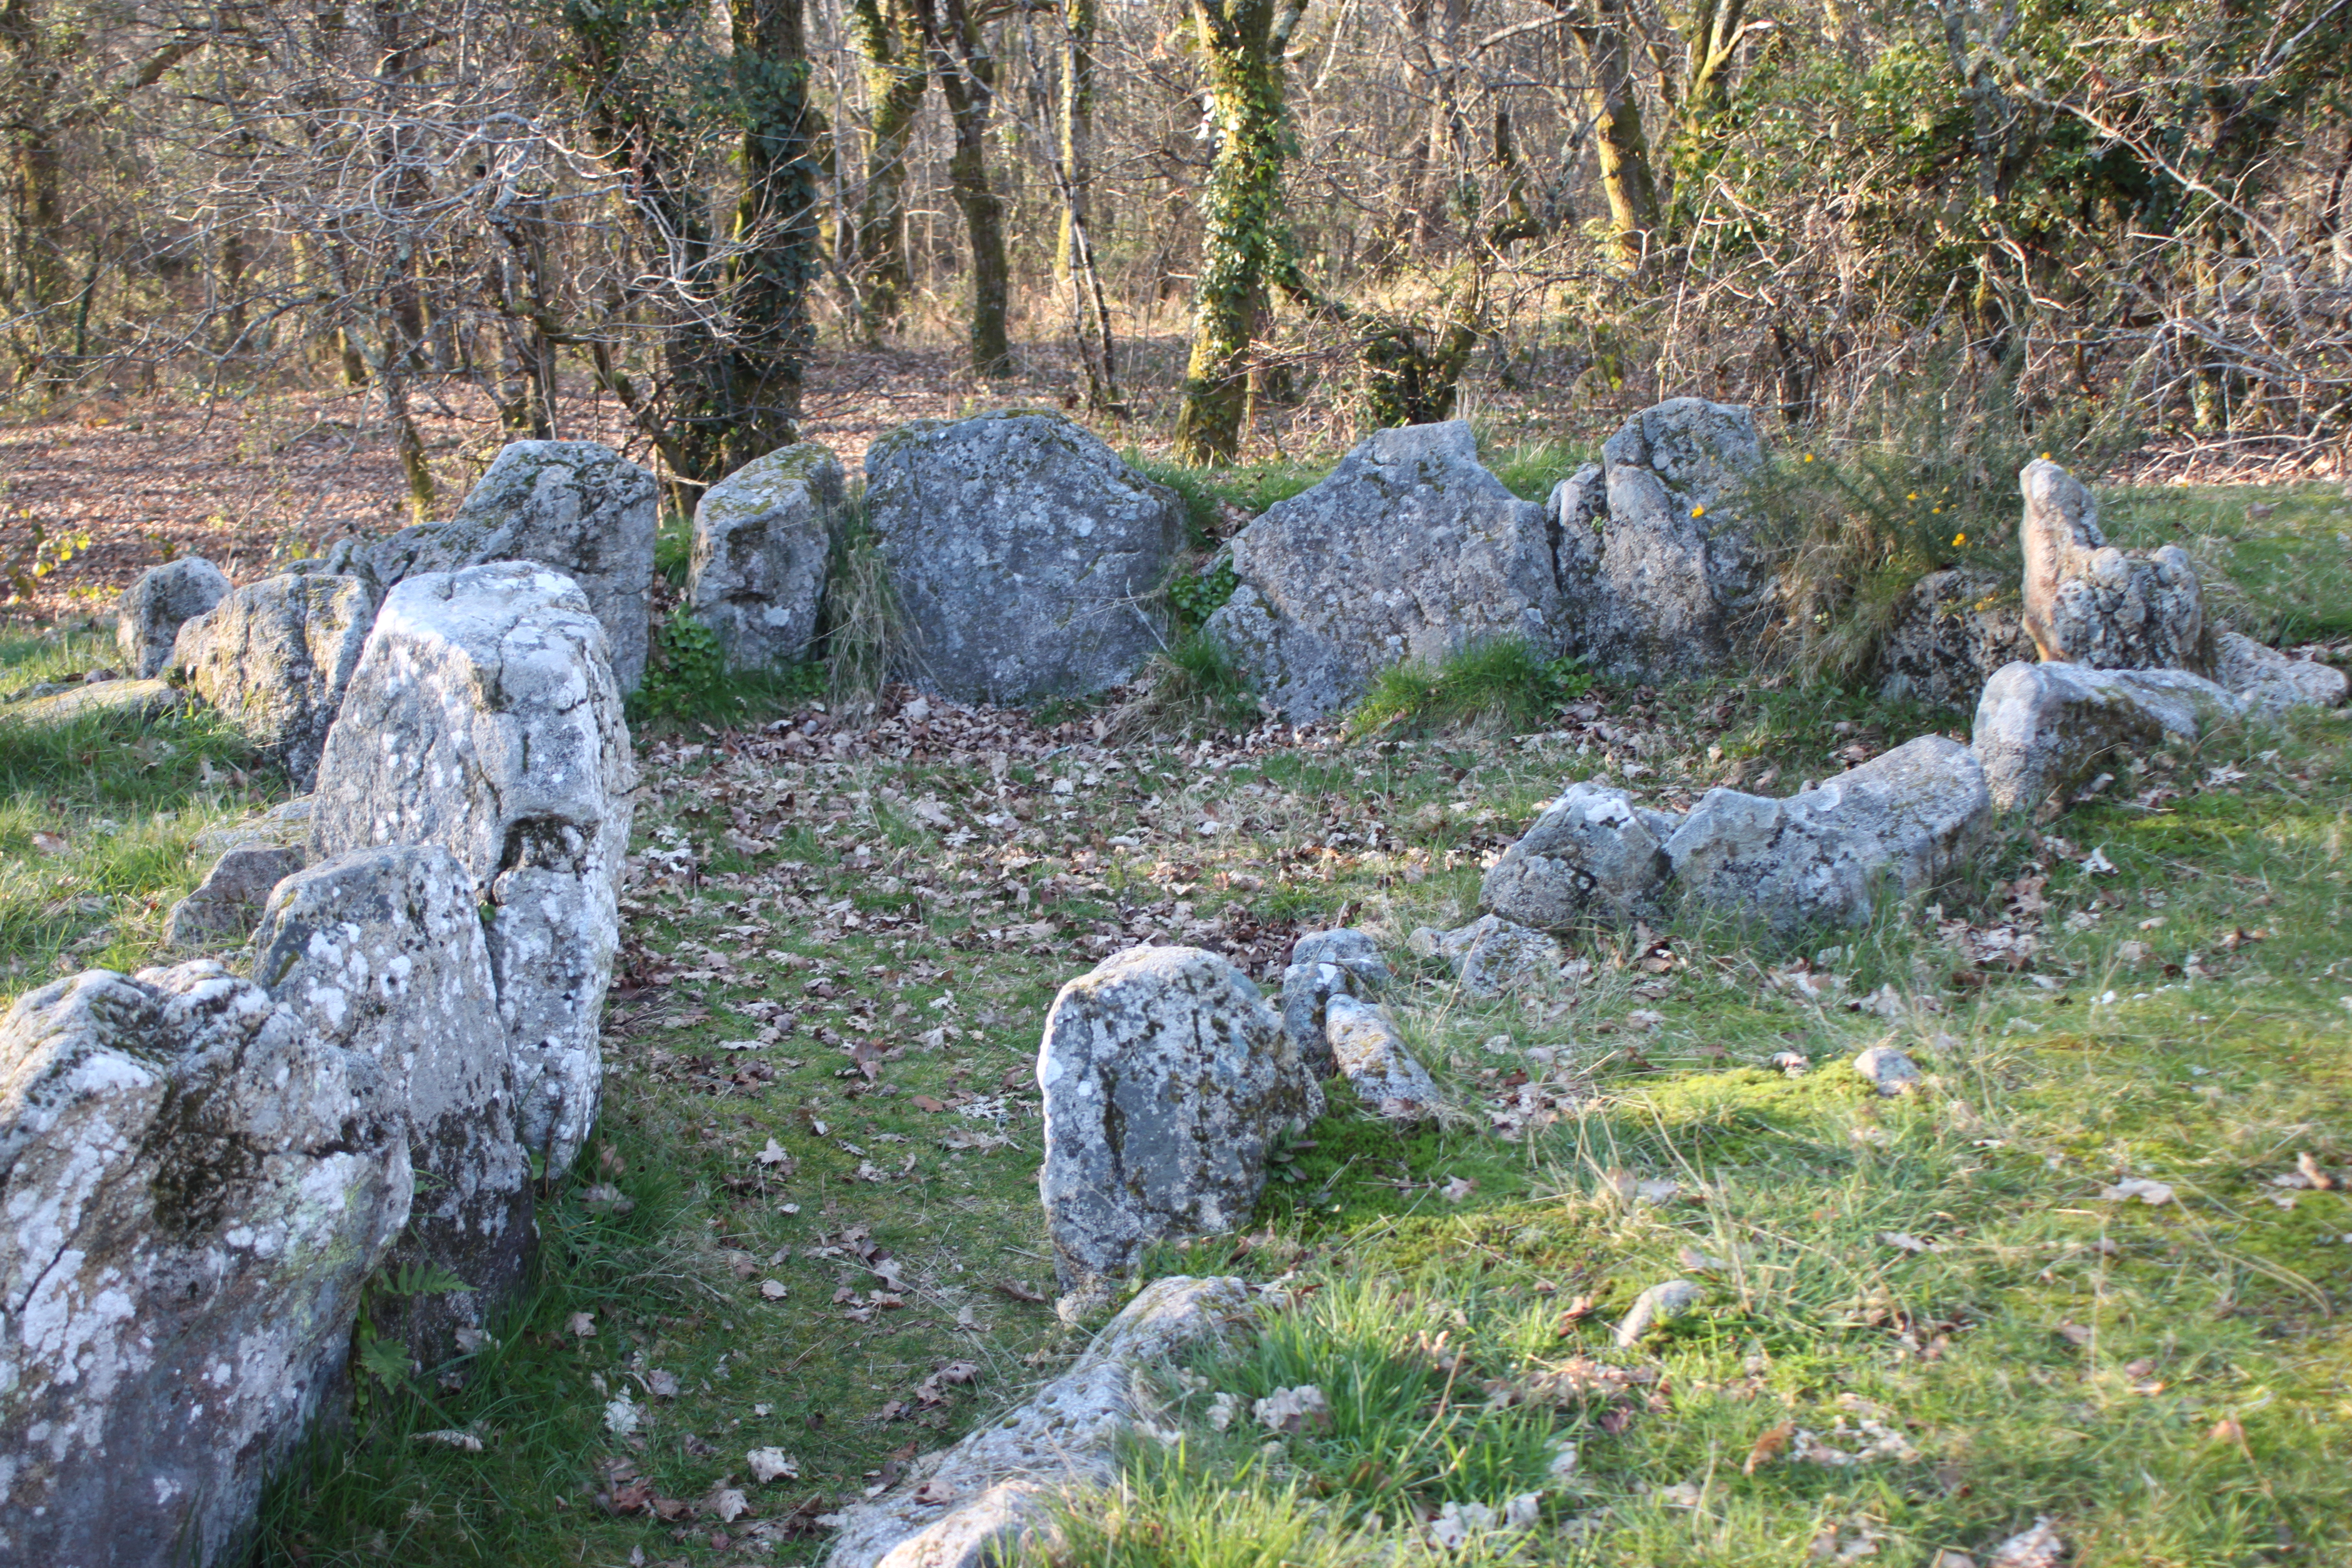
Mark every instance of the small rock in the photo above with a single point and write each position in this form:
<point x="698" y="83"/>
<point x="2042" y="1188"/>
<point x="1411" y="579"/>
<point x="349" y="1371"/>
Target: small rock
<point x="2269" y="680"/>
<point x="1166" y="1077"/>
<point x="228" y="901"/>
<point x="1371" y="1055"/>
<point x="1293" y="1411"/>
<point x="1002" y="1482"/>
<point x="1888" y="1069"/>
<point x="1659" y="1303"/>
<point x="1325" y="963"/>
<point x="154" y="608"/>
<point x="1491" y="955"/>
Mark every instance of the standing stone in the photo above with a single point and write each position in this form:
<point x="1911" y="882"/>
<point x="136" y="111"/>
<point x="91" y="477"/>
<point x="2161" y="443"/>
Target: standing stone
<point x="229" y="900"/>
<point x="1371" y="1055"/>
<point x="483" y="717"/>
<point x="1817" y="857"/>
<point x="1410" y="550"/>
<point x="2269" y="680"/>
<point x="1166" y="1078"/>
<point x="381" y="951"/>
<point x="1592" y="853"/>
<point x="1951" y="631"/>
<point x="194" y="1189"/>
<point x="762" y="537"/>
<point x="2087" y="602"/>
<point x="1025" y="556"/>
<point x="275" y="656"/>
<point x="1657" y="574"/>
<point x="1324" y="964"/>
<point x="575" y="507"/>
<point x="154" y="608"/>
<point x="2043" y="728"/>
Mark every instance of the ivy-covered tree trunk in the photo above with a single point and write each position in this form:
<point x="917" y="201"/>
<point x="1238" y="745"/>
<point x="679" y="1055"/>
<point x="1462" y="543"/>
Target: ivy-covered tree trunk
<point x="1245" y="236"/>
<point x="1624" y="150"/>
<point x="774" y="260"/>
<point x="889" y="40"/>
<point x="967" y="75"/>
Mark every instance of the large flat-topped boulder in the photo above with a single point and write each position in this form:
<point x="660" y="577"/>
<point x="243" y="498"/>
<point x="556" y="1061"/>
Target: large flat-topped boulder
<point x="275" y="656"/>
<point x="154" y="608"/>
<point x="381" y="951"/>
<point x="575" y="507"/>
<point x="1820" y="857"/>
<point x="483" y="717"/>
<point x="1656" y="569"/>
<point x="762" y="538"/>
<point x="1410" y="550"/>
<point x="2087" y="602"/>
<point x="195" y="1187"/>
<point x="2044" y="728"/>
<point x="1166" y="1078"/>
<point x="1023" y="553"/>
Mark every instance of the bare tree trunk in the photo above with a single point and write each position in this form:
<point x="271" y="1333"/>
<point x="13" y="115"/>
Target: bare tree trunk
<point x="776" y="238"/>
<point x="889" y="39"/>
<point x="1624" y="150"/>
<point x="967" y="77"/>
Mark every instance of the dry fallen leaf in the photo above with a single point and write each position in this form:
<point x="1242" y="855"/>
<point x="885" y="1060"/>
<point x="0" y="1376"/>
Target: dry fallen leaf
<point x="771" y="1464"/>
<point x="773" y="1155"/>
<point x="727" y="1502"/>
<point x="774" y="1289"/>
<point x="1768" y="1448"/>
<point x="583" y="1326"/>
<point x="1459" y="1188"/>
<point x="2147" y="1191"/>
<point x="50" y="844"/>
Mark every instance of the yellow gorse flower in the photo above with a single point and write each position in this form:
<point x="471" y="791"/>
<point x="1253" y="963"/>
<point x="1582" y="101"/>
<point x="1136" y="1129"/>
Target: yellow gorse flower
<point x="1698" y="512"/>
<point x="1958" y="540"/>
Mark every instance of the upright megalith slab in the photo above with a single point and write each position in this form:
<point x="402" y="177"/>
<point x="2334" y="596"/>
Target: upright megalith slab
<point x="2087" y="602"/>
<point x="483" y="717"/>
<point x="193" y="1188"/>
<point x="1025" y="556"/>
<point x="1166" y="1079"/>
<point x="1410" y="550"/>
<point x="1819" y="856"/>
<point x="1950" y="631"/>
<point x="1657" y="568"/>
<point x="275" y="656"/>
<point x="382" y="952"/>
<point x="763" y="536"/>
<point x="2044" y="728"/>
<point x="154" y="608"/>
<point x="575" y="507"/>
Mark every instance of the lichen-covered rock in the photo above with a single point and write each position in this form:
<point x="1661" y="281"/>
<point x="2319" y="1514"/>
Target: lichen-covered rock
<point x="1819" y="858"/>
<point x="127" y="702"/>
<point x="1410" y="550"/>
<point x="483" y="717"/>
<point x="1951" y="631"/>
<point x="228" y="903"/>
<point x="2269" y="680"/>
<point x="382" y="952"/>
<point x="2087" y="602"/>
<point x="1888" y="1071"/>
<point x="154" y="608"/>
<point x="762" y="538"/>
<point x="1166" y="1078"/>
<point x="1657" y="572"/>
<point x="1371" y="1055"/>
<point x="973" y="1504"/>
<point x="1491" y="955"/>
<point x="1592" y="853"/>
<point x="1023" y="553"/>
<point x="577" y="508"/>
<point x="194" y="1189"/>
<point x="1324" y="964"/>
<point x="286" y="825"/>
<point x="1661" y="1303"/>
<point x="275" y="656"/>
<point x="2043" y="728"/>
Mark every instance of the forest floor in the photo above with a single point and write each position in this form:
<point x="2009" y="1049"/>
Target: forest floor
<point x="2098" y="1271"/>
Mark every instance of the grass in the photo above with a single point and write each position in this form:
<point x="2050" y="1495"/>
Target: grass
<point x="2166" y="1383"/>
<point x="1504" y="682"/>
